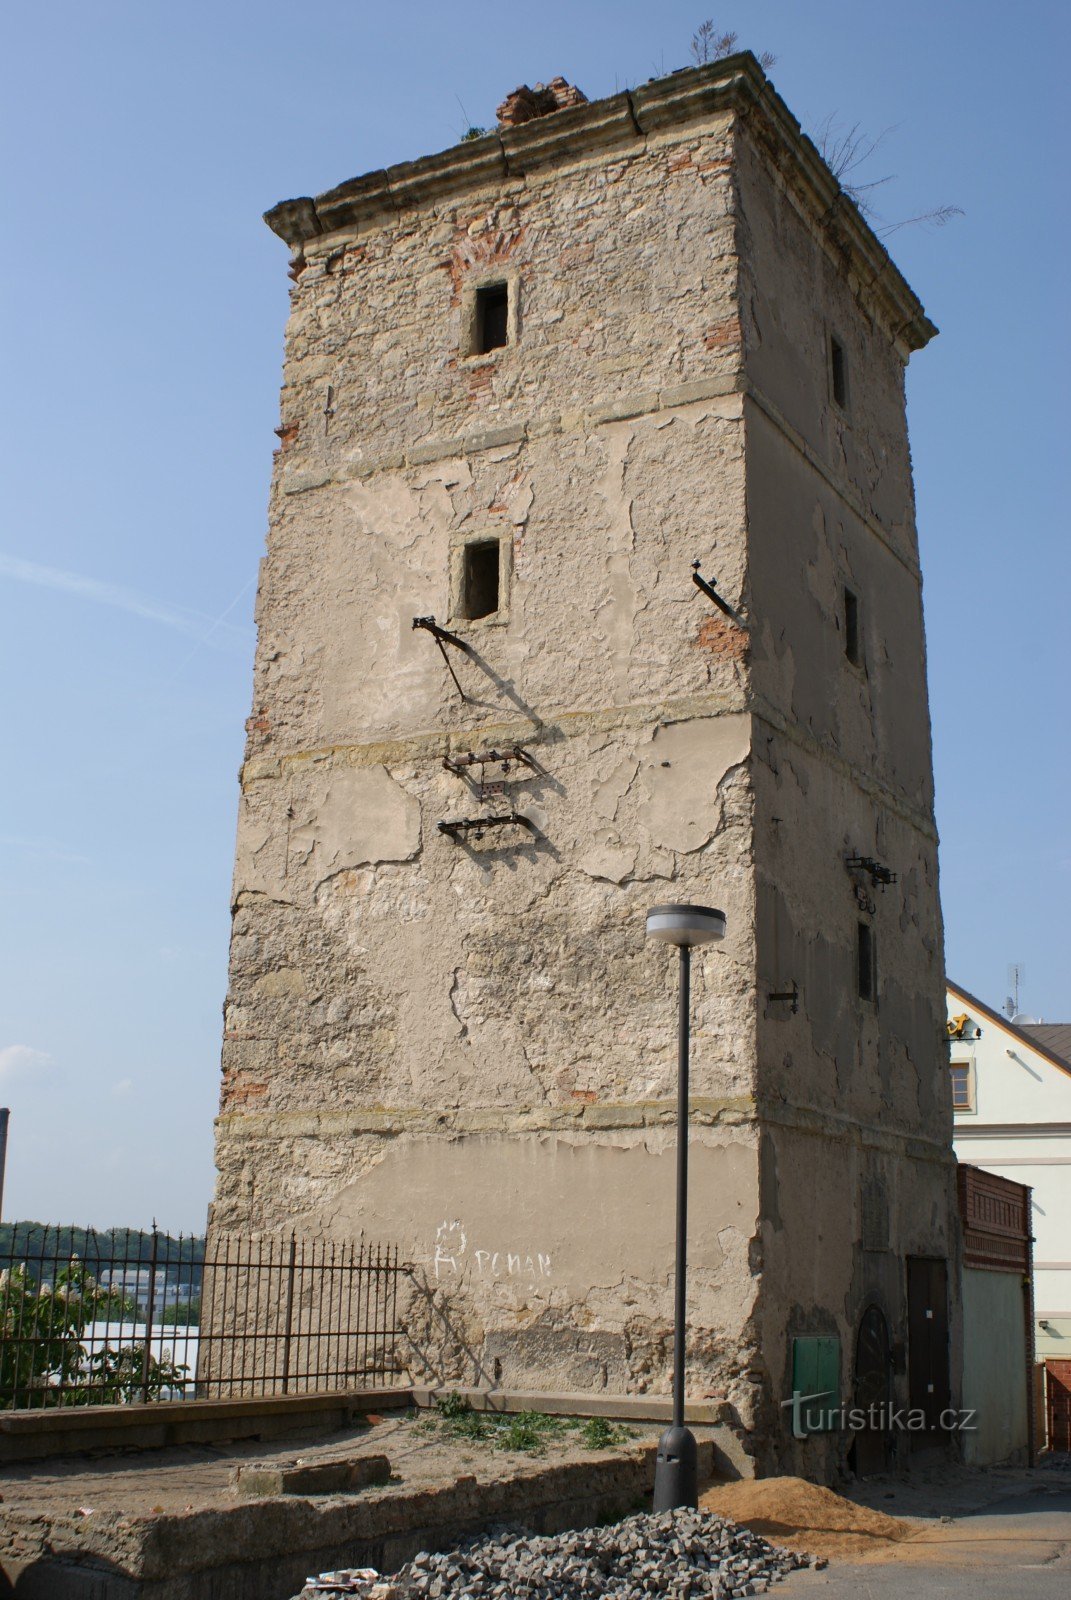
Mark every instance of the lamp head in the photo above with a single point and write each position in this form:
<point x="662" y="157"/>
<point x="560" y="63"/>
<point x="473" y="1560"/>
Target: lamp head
<point x="685" y="925"/>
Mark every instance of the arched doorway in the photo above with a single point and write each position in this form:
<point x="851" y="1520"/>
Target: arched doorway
<point x="872" y="1393"/>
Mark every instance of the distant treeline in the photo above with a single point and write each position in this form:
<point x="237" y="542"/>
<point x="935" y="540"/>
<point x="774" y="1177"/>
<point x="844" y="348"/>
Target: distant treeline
<point x="129" y="1246"/>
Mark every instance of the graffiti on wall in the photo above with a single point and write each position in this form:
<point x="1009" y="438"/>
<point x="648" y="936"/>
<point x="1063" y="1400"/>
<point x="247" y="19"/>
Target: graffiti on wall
<point x="452" y="1257"/>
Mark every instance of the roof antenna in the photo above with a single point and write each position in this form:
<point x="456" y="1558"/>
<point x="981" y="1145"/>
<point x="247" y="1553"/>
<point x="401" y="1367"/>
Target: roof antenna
<point x="1016" y="978"/>
<point x="1016" y="974"/>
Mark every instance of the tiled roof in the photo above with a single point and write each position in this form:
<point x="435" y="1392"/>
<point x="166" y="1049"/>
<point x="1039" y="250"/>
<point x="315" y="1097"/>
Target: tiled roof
<point x="1055" y="1036"/>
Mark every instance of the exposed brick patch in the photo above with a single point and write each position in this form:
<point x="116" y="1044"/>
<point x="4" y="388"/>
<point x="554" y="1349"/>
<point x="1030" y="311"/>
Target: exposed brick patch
<point x="480" y="381"/>
<point x="678" y="163"/>
<point x="240" y="1089"/>
<point x="723" y="638"/>
<point x="524" y="104"/>
<point x="720" y="335"/>
<point x="286" y="435"/>
<point x="500" y="505"/>
<point x="720" y="164"/>
<point x="482" y="251"/>
<point x="588" y="1096"/>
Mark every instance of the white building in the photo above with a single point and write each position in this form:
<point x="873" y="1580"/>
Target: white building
<point x="1011" y="1093"/>
<point x="133" y="1283"/>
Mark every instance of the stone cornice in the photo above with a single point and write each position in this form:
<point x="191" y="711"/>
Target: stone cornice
<point x="622" y="123"/>
<point x="611" y="1117"/>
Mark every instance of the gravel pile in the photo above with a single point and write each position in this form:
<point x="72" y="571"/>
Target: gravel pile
<point x="676" y="1554"/>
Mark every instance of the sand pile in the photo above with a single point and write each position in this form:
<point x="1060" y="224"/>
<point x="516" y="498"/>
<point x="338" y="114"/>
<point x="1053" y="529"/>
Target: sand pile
<point x="805" y="1516"/>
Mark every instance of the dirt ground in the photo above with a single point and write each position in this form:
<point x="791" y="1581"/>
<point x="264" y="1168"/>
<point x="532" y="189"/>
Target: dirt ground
<point x="192" y="1477"/>
<point x="804" y="1516"/>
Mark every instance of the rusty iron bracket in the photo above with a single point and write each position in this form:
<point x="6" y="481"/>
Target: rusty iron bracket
<point x="477" y="825"/>
<point x="792" y="995"/>
<point x="461" y="766"/>
<point x="878" y="874"/>
<point x="483" y="758"/>
<point x="442" y="638"/>
<point x="712" y="594"/>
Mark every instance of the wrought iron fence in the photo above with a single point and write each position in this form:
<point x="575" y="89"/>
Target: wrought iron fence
<point x="294" y="1316"/>
<point x="96" y="1319"/>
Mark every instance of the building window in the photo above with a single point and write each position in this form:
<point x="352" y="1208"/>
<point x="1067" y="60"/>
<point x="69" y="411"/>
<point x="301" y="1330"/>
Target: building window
<point x="866" y="962"/>
<point x="962" y="1086"/>
<point x="492" y="318"/>
<point x="838" y="372"/>
<point x="851" y="627"/>
<point x="480" y="580"/>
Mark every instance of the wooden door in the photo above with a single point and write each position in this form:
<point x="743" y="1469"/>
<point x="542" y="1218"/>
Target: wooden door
<point x="929" y="1383"/>
<point x="1058" y="1384"/>
<point x="872" y="1393"/>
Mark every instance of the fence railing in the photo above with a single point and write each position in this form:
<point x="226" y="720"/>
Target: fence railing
<point x="296" y="1315"/>
<point x="155" y="1317"/>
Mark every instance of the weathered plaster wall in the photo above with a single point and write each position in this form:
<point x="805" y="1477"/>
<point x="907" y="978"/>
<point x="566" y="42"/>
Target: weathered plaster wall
<point x="555" y="1260"/>
<point x="598" y="609"/>
<point x="398" y="1032"/>
<point x="854" y="1104"/>
<point x="623" y="263"/>
<point x="468" y="1048"/>
<point x="799" y="286"/>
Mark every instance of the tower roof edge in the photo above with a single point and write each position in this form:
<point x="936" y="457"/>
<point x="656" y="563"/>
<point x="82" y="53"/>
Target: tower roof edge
<point x="736" y="83"/>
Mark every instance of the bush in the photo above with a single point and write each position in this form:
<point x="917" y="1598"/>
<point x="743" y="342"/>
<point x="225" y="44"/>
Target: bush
<point x="599" y="1434"/>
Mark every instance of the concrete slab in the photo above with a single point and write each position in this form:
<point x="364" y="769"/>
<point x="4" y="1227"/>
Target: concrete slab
<point x="258" y="1479"/>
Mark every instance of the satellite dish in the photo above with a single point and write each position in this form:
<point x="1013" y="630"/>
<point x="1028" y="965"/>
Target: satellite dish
<point x="1023" y="1019"/>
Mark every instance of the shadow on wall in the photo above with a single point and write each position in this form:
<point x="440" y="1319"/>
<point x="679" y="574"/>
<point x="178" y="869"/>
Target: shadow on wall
<point x="439" y="1343"/>
<point x="46" y="1578"/>
<point x="505" y="686"/>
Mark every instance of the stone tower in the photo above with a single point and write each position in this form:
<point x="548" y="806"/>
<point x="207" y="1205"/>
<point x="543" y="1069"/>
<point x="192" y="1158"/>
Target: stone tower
<point x="527" y="382"/>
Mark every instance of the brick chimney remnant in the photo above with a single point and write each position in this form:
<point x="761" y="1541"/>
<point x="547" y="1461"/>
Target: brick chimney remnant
<point x="524" y="104"/>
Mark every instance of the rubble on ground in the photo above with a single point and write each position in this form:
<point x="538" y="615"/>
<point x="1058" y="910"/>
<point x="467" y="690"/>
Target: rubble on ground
<point x="684" y="1554"/>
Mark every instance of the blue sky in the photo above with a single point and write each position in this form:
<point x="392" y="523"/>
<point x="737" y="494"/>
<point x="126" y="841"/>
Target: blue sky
<point x="144" y="304"/>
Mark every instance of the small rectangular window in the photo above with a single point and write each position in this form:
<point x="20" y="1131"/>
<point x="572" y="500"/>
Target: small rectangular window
<point x="866" y="967"/>
<point x="962" y="1098"/>
<point x="479" y="579"/>
<point x="838" y="372"/>
<point x="492" y="317"/>
<point x="851" y="627"/>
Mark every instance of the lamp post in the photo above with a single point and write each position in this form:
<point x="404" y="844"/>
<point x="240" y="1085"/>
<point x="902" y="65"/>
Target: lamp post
<point x="5" y="1118"/>
<point x="676" y="1479"/>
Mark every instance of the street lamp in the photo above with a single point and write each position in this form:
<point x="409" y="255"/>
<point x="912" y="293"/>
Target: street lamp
<point x="676" y="1477"/>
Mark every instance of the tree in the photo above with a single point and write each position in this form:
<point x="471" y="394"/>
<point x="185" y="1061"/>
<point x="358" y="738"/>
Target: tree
<point x="44" y="1360"/>
<point x="186" y="1312"/>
